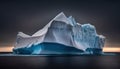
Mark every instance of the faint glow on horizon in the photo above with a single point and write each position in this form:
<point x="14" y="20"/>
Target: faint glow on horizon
<point x="6" y="49"/>
<point x="105" y="49"/>
<point x="111" y="49"/>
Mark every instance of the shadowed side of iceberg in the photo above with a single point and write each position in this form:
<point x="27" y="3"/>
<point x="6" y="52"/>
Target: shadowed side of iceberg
<point x="48" y="48"/>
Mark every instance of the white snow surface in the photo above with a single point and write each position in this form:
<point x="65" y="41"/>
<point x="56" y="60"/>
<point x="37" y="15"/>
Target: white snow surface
<point x="65" y="31"/>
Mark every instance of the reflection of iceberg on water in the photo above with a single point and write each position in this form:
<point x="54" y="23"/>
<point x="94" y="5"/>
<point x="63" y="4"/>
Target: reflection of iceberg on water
<point x="61" y="35"/>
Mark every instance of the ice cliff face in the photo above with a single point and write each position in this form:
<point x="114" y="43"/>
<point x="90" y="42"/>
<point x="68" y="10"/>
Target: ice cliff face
<point x="61" y="35"/>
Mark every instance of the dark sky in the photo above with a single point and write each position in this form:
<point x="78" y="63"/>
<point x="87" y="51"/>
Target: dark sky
<point x="29" y="16"/>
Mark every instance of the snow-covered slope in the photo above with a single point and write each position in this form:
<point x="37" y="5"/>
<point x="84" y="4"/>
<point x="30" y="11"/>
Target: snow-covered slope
<point x="65" y="31"/>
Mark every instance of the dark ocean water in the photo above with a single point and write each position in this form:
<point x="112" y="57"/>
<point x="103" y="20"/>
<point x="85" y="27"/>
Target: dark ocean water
<point x="59" y="62"/>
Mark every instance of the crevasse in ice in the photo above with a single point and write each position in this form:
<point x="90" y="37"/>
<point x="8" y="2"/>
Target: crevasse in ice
<point x="61" y="35"/>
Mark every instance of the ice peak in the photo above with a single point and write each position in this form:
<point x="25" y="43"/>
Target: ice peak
<point x="71" y="20"/>
<point x="23" y="34"/>
<point x="61" y="17"/>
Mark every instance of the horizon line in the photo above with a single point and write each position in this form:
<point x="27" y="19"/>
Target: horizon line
<point x="105" y="49"/>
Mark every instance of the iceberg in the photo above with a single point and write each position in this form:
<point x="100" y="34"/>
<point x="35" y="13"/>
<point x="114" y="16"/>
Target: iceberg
<point x="62" y="35"/>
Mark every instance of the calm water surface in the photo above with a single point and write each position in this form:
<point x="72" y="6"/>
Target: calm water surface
<point x="60" y="62"/>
